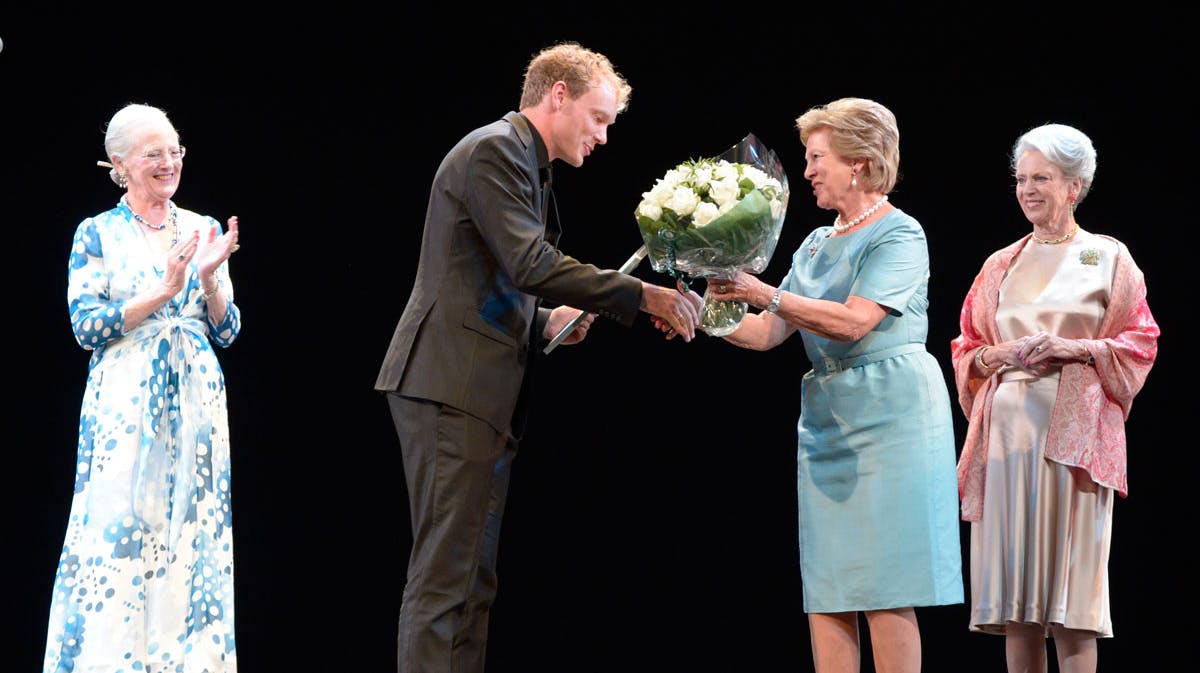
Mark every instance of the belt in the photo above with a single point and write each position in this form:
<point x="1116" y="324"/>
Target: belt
<point x="833" y="365"/>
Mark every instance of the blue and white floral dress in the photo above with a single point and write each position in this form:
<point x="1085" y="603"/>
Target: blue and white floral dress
<point x="145" y="580"/>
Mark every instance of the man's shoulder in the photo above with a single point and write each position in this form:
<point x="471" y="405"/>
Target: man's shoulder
<point x="499" y="133"/>
<point x="500" y="140"/>
<point x="500" y="130"/>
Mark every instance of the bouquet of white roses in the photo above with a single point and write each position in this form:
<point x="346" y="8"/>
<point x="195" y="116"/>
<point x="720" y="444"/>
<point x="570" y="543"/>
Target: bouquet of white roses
<point x="712" y="217"/>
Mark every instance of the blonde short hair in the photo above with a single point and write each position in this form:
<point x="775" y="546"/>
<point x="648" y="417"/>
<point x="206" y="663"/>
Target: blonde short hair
<point x="862" y="129"/>
<point x="577" y="67"/>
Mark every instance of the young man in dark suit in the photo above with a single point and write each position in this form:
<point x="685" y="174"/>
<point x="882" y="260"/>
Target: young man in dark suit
<point x="457" y="366"/>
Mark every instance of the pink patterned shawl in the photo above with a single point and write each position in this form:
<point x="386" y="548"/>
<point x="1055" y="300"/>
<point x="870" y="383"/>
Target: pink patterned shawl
<point x="1087" y="424"/>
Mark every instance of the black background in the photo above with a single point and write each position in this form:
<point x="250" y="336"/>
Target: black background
<point x="651" y="523"/>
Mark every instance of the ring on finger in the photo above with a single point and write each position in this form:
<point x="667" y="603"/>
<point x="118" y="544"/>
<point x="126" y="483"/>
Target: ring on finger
<point x="1039" y="349"/>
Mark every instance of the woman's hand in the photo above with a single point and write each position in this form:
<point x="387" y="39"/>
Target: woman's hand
<point x="178" y="258"/>
<point x="1034" y="354"/>
<point x="1043" y="350"/>
<point x="740" y="287"/>
<point x="214" y="250"/>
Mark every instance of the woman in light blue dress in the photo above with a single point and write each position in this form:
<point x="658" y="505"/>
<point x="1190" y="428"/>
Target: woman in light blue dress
<point x="145" y="579"/>
<point x="878" y="499"/>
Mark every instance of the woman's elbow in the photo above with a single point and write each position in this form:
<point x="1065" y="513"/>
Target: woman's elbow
<point x="846" y="334"/>
<point x="852" y="330"/>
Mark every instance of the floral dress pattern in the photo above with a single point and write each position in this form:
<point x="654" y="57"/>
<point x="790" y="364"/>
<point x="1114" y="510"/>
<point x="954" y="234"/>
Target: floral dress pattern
<point x="145" y="579"/>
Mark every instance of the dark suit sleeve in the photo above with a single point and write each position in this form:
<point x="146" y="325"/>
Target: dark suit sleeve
<point x="500" y="200"/>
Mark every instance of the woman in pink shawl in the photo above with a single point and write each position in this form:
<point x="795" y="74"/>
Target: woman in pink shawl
<point x="1056" y="340"/>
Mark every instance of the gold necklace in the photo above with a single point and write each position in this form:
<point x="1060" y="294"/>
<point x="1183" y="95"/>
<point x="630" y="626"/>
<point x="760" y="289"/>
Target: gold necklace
<point x="1056" y="241"/>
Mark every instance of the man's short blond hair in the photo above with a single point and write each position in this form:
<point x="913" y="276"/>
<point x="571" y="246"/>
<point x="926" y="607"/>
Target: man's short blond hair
<point x="577" y="67"/>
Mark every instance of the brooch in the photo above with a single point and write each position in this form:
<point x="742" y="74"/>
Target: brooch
<point x="1090" y="256"/>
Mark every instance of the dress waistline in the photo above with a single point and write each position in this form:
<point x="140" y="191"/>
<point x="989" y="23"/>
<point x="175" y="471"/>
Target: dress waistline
<point x="833" y="366"/>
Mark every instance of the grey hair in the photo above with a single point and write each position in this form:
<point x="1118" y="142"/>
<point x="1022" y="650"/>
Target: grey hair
<point x="1064" y="146"/>
<point x="122" y="129"/>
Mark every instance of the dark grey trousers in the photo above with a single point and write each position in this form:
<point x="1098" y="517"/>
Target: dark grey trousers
<point x="457" y="470"/>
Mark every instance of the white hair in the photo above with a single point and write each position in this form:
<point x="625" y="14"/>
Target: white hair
<point x="123" y="127"/>
<point x="1064" y="146"/>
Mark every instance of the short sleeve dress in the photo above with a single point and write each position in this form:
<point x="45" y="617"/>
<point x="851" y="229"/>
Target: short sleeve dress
<point x="145" y="578"/>
<point x="876" y="481"/>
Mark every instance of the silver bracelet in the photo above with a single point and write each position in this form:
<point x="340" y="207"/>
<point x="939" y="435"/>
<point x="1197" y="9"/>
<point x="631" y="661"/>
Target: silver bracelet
<point x="773" y="307"/>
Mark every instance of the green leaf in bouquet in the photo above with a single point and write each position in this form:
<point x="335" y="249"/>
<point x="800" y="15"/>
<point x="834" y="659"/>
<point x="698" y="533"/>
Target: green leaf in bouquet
<point x="732" y="239"/>
<point x="660" y="236"/>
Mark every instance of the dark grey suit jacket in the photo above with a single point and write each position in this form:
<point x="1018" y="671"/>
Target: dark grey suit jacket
<point x="485" y="265"/>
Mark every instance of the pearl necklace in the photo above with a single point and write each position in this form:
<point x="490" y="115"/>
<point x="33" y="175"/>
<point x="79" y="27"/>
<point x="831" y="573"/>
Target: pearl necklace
<point x="1055" y="241"/>
<point x="843" y="228"/>
<point x="172" y="219"/>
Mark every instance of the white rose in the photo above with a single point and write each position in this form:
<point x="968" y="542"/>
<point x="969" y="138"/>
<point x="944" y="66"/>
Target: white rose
<point x="705" y="212"/>
<point x="725" y="192"/>
<point x="675" y="176"/>
<point x="660" y="193"/>
<point x="756" y="175"/>
<point x="683" y="201"/>
<point x="725" y="171"/>
<point x="649" y="209"/>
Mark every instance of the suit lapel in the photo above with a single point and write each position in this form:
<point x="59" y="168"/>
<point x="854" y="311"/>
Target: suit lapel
<point x="550" y="206"/>
<point x="545" y="193"/>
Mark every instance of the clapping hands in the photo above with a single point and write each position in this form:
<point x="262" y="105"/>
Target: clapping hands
<point x="214" y="250"/>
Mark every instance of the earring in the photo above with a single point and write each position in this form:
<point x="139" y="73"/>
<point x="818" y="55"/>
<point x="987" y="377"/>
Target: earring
<point x="1071" y="199"/>
<point x="119" y="178"/>
<point x="854" y="179"/>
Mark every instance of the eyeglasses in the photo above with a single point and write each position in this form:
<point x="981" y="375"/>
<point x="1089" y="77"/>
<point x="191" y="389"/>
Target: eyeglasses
<point x="174" y="153"/>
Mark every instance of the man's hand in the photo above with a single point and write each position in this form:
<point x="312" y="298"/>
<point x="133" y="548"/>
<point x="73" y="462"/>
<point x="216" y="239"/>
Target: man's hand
<point x="559" y="318"/>
<point x="677" y="312"/>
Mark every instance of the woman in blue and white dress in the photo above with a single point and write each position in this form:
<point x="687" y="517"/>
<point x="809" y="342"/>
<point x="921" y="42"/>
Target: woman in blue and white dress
<point x="145" y="579"/>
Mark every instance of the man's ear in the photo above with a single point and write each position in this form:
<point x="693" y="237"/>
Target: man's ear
<point x="558" y="95"/>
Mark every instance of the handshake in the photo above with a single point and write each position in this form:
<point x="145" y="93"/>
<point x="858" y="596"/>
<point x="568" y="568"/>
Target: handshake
<point x="676" y="312"/>
<point x="721" y="310"/>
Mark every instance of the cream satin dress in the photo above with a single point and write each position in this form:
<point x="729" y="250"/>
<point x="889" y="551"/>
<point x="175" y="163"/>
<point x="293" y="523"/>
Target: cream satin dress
<point x="1040" y="553"/>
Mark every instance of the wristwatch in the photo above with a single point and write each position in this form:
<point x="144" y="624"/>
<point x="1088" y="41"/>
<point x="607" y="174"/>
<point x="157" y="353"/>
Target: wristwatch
<point x="773" y="307"/>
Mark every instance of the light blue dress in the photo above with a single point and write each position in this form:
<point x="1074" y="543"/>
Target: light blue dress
<point x="878" y="496"/>
<point x="145" y="580"/>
